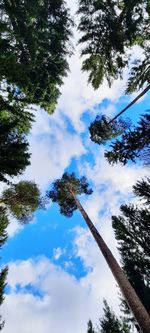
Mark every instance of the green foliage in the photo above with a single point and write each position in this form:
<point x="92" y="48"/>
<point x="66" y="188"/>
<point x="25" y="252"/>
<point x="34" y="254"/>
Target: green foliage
<point x="22" y="199"/>
<point x="132" y="143"/>
<point x="12" y="113"/>
<point x="90" y="328"/>
<point x="140" y="73"/>
<point x="3" y="225"/>
<point x="14" y="155"/>
<point x="62" y="189"/>
<point x="34" y="41"/>
<point x="3" y="273"/>
<point x="102" y="129"/>
<point x="109" y="29"/>
<point x="110" y="323"/>
<point x="132" y="231"/>
<point x="142" y="190"/>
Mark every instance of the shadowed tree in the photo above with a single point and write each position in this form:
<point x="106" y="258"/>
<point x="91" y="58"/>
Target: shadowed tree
<point x="132" y="231"/>
<point x="14" y="155"/>
<point x="22" y="200"/>
<point x="64" y="192"/>
<point x="90" y="328"/>
<point x="132" y="143"/>
<point x="102" y="129"/>
<point x="108" y="30"/>
<point x="3" y="272"/>
<point x="109" y="323"/>
<point x="34" y="40"/>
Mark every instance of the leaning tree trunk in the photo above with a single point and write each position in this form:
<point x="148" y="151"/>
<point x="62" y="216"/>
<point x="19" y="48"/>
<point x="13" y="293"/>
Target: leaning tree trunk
<point x="140" y="313"/>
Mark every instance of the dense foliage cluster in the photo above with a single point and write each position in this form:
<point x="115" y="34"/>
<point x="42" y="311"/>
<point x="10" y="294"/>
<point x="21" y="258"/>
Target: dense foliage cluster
<point x="34" y="38"/>
<point x="102" y="129"/>
<point x="108" y="29"/>
<point x="22" y="199"/>
<point x="132" y="231"/>
<point x="132" y="144"/>
<point x="62" y="192"/>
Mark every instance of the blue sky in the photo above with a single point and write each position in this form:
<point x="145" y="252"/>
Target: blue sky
<point x="57" y="277"/>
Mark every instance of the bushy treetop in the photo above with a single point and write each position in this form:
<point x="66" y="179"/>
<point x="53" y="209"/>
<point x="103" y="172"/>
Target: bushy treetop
<point x="22" y="199"/>
<point x="102" y="129"/>
<point x="62" y="192"/>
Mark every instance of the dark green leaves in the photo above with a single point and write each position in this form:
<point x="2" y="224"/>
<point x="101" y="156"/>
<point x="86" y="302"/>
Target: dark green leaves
<point x="131" y="144"/>
<point x="63" y="190"/>
<point x="22" y="200"/>
<point x="109" y="29"/>
<point x="102" y="129"/>
<point x="34" y="44"/>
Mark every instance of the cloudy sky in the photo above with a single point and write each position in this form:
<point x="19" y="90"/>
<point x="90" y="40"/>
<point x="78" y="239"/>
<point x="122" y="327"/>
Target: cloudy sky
<point x="57" y="277"/>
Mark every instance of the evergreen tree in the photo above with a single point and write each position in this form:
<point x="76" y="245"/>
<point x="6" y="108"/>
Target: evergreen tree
<point x="103" y="129"/>
<point x="22" y="199"/>
<point x="109" y="323"/>
<point x="64" y="192"/>
<point x="14" y="155"/>
<point x="90" y="328"/>
<point x="3" y="272"/>
<point x="34" y="40"/>
<point x="132" y="143"/>
<point x="109" y="29"/>
<point x="132" y="230"/>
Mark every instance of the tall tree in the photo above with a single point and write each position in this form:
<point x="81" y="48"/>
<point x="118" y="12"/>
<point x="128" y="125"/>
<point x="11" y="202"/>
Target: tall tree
<point x="110" y="323"/>
<point x="64" y="192"/>
<point x="132" y="143"/>
<point x="109" y="29"/>
<point x="3" y="272"/>
<point x="34" y="40"/>
<point x="132" y="230"/>
<point x="22" y="199"/>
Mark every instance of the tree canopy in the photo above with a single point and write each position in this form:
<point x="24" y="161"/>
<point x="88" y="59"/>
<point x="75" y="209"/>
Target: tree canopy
<point x="22" y="199"/>
<point x="103" y="129"/>
<point x="62" y="189"/>
<point x="34" y="40"/>
<point x="14" y="154"/>
<point x="109" y="29"/>
<point x="132" y="144"/>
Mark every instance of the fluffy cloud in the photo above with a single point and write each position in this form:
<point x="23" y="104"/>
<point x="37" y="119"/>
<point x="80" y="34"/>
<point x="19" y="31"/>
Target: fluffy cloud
<point x="59" y="302"/>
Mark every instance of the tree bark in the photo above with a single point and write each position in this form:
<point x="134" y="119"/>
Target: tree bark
<point x="140" y="313"/>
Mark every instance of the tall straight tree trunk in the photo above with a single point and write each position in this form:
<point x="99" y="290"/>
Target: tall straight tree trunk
<point x="140" y="313"/>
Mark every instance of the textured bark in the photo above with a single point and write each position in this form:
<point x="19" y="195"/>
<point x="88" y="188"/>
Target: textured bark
<point x="140" y="313"/>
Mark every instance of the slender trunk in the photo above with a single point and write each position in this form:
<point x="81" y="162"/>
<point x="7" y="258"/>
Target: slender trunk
<point x="130" y="104"/>
<point x="140" y="313"/>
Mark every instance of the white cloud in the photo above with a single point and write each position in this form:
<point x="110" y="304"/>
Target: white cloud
<point x="57" y="253"/>
<point x="66" y="304"/>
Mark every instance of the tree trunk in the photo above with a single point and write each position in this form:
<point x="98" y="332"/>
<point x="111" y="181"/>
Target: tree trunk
<point x="130" y="104"/>
<point x="140" y="313"/>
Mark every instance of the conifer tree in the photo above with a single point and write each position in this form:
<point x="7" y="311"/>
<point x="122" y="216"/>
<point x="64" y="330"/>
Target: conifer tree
<point x="64" y="192"/>
<point x="132" y="143"/>
<point x="14" y="155"/>
<point x="90" y="328"/>
<point x="132" y="231"/>
<point x="34" y="39"/>
<point x="109" y="323"/>
<point x="109" y="29"/>
<point x="22" y="200"/>
<point x="3" y="271"/>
